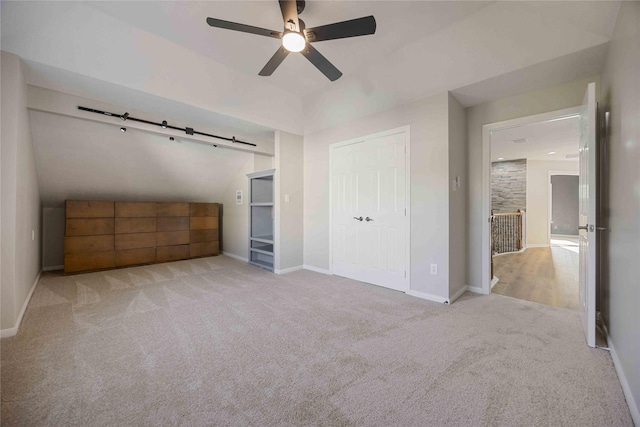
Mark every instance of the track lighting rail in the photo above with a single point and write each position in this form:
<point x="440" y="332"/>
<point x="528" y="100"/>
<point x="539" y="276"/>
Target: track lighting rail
<point x="165" y="125"/>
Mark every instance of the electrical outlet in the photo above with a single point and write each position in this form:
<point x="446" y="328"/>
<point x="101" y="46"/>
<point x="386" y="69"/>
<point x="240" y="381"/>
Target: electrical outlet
<point x="434" y="268"/>
<point x="286" y="198"/>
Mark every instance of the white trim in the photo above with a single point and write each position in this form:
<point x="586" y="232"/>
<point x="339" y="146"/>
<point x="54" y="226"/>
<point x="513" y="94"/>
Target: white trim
<point x="9" y="332"/>
<point x="428" y="297"/>
<point x="626" y="389"/>
<point x="476" y="290"/>
<point x="494" y="281"/>
<point x="486" y="179"/>
<point x="538" y="245"/>
<point x="53" y="268"/>
<point x="317" y="269"/>
<point x="234" y="256"/>
<point x="550" y="198"/>
<point x="407" y="199"/>
<point x="288" y="270"/>
<point x="458" y="294"/>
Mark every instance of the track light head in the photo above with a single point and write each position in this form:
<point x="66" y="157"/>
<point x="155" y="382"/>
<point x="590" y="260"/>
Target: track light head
<point x="164" y="124"/>
<point x="123" y="129"/>
<point x="171" y="138"/>
<point x="125" y="116"/>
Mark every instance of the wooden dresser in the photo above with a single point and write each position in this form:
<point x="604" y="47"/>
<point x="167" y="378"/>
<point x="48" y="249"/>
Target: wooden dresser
<point x="102" y="234"/>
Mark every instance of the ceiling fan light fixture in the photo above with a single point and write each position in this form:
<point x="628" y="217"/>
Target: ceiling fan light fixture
<point x="293" y="41"/>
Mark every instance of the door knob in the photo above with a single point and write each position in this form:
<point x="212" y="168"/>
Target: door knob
<point x="583" y="227"/>
<point x="368" y="219"/>
<point x="358" y="218"/>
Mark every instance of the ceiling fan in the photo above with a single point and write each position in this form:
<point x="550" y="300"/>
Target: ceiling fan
<point x="296" y="38"/>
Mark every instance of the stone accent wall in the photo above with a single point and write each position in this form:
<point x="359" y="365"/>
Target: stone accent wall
<point x="509" y="186"/>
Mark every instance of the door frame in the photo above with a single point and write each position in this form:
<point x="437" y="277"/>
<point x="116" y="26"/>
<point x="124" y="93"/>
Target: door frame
<point x="486" y="179"/>
<point x="550" y="196"/>
<point x="407" y="201"/>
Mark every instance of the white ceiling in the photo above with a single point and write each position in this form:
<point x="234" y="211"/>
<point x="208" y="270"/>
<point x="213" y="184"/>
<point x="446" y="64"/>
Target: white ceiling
<point x="79" y="159"/>
<point x="559" y="136"/>
<point x="421" y="48"/>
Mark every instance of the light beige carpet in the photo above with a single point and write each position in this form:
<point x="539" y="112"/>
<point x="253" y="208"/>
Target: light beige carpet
<point x="215" y="341"/>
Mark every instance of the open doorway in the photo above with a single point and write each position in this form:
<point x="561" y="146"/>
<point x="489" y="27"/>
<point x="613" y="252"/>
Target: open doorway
<point x="534" y="249"/>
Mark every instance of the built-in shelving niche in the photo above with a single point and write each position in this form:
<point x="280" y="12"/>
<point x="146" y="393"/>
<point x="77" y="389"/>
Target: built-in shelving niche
<point x="261" y="196"/>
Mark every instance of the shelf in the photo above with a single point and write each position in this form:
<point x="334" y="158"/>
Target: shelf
<point x="261" y="251"/>
<point x="263" y="239"/>
<point x="263" y="264"/>
<point x="261" y="204"/>
<point x="266" y="247"/>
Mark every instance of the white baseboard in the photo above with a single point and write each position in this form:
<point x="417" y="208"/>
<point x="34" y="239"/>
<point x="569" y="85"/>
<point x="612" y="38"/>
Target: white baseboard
<point x="288" y="270"/>
<point x="316" y="269"/>
<point x="9" y="332"/>
<point x="234" y="256"/>
<point x="494" y="281"/>
<point x="626" y="389"/>
<point x="53" y="268"/>
<point x="458" y="294"/>
<point x="428" y="297"/>
<point x="476" y="290"/>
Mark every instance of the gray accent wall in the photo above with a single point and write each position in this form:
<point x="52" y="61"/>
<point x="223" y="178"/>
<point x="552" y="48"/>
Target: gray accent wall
<point x="564" y="204"/>
<point x="509" y="185"/>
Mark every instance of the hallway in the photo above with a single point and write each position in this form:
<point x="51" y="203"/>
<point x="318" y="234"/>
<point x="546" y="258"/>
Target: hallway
<point x="543" y="275"/>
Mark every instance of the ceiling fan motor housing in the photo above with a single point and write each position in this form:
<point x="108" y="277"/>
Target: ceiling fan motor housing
<point x="300" y="4"/>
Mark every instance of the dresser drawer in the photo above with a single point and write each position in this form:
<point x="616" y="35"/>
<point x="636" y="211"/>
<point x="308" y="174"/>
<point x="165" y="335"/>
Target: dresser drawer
<point x="135" y="225"/>
<point x="203" y="249"/>
<point x="88" y="226"/>
<point x="174" y="223"/>
<point x="89" y="209"/>
<point x="204" y="209"/>
<point x="135" y="240"/>
<point x="78" y="244"/>
<point x="172" y="209"/>
<point x="76" y="262"/>
<point x="170" y="238"/>
<point x="172" y="253"/>
<point x="135" y="256"/>
<point x="198" y="236"/>
<point x="135" y="209"/>
<point x="204" y="222"/>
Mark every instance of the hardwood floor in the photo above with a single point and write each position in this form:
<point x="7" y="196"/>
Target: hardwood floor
<point x="543" y="275"/>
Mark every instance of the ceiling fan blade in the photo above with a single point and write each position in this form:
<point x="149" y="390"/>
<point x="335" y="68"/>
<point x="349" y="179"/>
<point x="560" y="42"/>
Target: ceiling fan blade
<point x="227" y="25"/>
<point x="321" y="63"/>
<point x="340" y="30"/>
<point x="289" y="11"/>
<point x="274" y="62"/>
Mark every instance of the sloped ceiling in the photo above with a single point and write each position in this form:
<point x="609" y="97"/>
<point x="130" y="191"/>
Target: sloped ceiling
<point x="162" y="57"/>
<point x="79" y="159"/>
<point x="421" y="48"/>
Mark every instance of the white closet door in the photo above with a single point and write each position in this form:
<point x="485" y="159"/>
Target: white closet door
<point x="368" y="211"/>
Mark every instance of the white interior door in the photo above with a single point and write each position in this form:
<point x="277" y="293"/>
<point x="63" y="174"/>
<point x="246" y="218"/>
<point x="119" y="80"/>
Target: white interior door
<point x="587" y="217"/>
<point x="368" y="211"/>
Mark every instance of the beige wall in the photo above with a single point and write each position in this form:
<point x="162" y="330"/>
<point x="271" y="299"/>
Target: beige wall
<point x="21" y="207"/>
<point x="457" y="197"/>
<point x="551" y="99"/>
<point x="429" y="147"/>
<point x="289" y="213"/>
<point x="621" y="270"/>
<point x="538" y="197"/>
